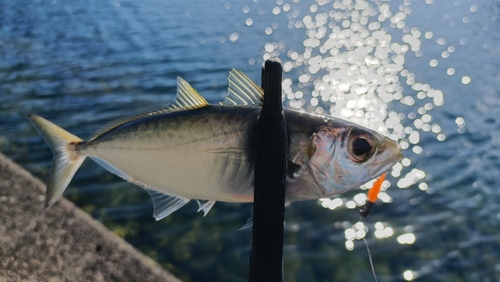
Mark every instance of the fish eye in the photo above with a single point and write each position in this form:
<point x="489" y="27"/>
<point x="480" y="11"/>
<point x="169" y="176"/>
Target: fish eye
<point x="361" y="146"/>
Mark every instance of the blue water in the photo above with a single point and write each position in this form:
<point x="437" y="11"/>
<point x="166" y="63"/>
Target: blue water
<point x="81" y="64"/>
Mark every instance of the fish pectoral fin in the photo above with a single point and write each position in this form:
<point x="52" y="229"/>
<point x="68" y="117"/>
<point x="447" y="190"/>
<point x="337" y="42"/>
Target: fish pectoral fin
<point x="165" y="204"/>
<point x="242" y="91"/>
<point x="205" y="206"/>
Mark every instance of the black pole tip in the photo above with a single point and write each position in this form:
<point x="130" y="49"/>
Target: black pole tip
<point x="274" y="60"/>
<point x="273" y="63"/>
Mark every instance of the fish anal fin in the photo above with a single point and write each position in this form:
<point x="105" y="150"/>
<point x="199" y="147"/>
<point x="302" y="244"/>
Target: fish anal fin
<point x="205" y="207"/>
<point x="165" y="204"/>
<point x="242" y="91"/>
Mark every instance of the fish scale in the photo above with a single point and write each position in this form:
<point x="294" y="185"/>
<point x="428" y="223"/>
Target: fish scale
<point x="164" y="152"/>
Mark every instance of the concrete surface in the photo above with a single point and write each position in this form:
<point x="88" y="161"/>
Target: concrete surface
<point x="62" y="243"/>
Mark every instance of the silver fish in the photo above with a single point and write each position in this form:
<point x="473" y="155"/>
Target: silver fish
<point x="193" y="150"/>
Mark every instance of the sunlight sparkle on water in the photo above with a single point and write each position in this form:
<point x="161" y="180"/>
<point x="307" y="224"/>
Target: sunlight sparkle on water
<point x="331" y="203"/>
<point x="352" y="64"/>
<point x="384" y="197"/>
<point x="360" y="199"/>
<point x="417" y="149"/>
<point x="382" y="231"/>
<point x="411" y="178"/>
<point x="349" y="245"/>
<point x="406" y="239"/>
<point x="408" y="275"/>
<point x="357" y="231"/>
<point x="466" y="80"/>
<point x="350" y="204"/>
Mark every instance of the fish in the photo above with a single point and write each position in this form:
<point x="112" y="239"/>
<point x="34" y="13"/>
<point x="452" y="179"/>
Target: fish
<point x="191" y="150"/>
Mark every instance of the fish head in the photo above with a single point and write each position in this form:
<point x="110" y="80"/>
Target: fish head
<point x="344" y="156"/>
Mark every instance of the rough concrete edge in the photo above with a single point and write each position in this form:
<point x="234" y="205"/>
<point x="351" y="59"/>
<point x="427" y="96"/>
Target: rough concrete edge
<point x="147" y="261"/>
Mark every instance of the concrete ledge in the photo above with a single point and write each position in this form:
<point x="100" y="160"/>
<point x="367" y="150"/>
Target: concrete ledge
<point x="63" y="243"/>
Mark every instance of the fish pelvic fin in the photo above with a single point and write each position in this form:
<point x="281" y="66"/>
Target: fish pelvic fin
<point x="66" y="159"/>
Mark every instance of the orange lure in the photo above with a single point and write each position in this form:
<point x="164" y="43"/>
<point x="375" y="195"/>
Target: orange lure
<point x="372" y="196"/>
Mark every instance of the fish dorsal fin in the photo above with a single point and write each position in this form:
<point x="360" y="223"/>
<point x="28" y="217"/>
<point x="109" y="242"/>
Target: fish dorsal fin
<point x="187" y="98"/>
<point x="205" y="207"/>
<point x="242" y="91"/>
<point x="165" y="204"/>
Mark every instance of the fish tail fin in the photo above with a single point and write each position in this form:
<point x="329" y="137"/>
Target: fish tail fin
<point x="66" y="159"/>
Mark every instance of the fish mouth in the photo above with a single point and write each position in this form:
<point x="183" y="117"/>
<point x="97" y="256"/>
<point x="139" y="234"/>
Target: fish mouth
<point x="387" y="158"/>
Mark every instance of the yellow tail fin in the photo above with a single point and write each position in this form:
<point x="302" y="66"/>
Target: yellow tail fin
<point x="66" y="159"/>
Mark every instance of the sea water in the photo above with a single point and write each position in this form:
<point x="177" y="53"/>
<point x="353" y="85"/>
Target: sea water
<point x="423" y="72"/>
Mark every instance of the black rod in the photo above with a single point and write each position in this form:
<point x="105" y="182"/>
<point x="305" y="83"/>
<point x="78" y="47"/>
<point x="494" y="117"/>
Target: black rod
<point x="266" y="261"/>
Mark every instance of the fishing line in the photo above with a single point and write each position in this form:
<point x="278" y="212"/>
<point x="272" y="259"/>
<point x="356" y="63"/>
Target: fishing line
<point x="369" y="256"/>
<point x="371" y="199"/>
